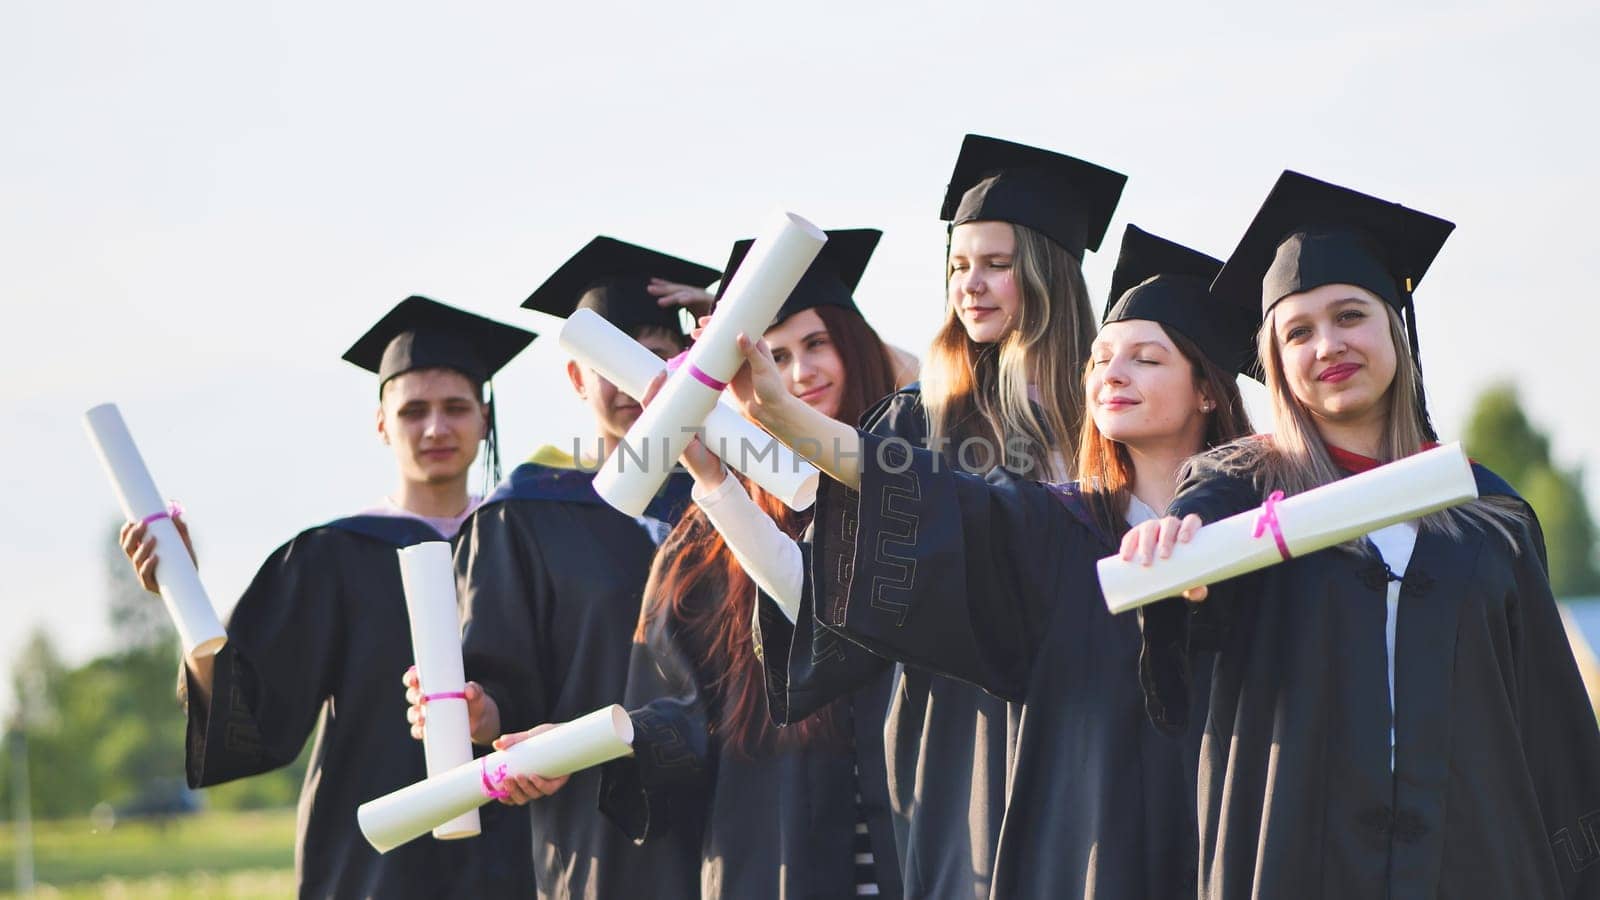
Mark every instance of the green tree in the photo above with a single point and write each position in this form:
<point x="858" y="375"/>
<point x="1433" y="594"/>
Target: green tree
<point x="109" y="729"/>
<point x="1500" y="435"/>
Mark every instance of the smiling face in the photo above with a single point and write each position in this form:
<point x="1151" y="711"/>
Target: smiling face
<point x="812" y="368"/>
<point x="433" y="420"/>
<point x="982" y="286"/>
<point x="1337" y="352"/>
<point x="1142" y="389"/>
<point x="615" y="412"/>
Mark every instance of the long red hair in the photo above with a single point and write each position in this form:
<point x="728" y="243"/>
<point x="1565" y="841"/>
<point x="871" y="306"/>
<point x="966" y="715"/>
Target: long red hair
<point x="695" y="558"/>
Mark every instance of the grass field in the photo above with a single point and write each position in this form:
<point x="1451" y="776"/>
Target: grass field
<point x="243" y="855"/>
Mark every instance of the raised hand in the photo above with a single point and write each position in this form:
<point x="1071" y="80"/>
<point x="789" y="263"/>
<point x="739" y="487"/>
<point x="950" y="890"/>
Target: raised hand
<point x="696" y="300"/>
<point x="140" y="549"/>
<point x="697" y="458"/>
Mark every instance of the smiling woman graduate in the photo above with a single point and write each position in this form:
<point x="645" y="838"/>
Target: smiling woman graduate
<point x="1399" y="716"/>
<point x="319" y="633"/>
<point x="1000" y="387"/>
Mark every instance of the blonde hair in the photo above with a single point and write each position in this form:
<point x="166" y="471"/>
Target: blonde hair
<point x="1297" y="459"/>
<point x="982" y="391"/>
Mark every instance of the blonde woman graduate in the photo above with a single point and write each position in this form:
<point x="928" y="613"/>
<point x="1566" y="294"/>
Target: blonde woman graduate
<point x="1001" y="387"/>
<point x="1399" y="716"/>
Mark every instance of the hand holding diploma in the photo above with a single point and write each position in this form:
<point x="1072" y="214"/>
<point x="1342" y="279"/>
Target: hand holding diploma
<point x="483" y="714"/>
<point x="199" y="629"/>
<point x="520" y="789"/>
<point x="774" y="265"/>
<point x="139" y="546"/>
<point x="761" y="394"/>
<point x="1167" y="558"/>
<point x="1148" y="540"/>
<point x="550" y="753"/>
<point x="592" y="341"/>
<point x="697" y="458"/>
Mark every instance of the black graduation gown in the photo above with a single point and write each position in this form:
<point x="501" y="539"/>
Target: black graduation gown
<point x="949" y="744"/>
<point x="1495" y="789"/>
<point x="551" y="582"/>
<point x="321" y="637"/>
<point x="778" y="825"/>
<point x="993" y="582"/>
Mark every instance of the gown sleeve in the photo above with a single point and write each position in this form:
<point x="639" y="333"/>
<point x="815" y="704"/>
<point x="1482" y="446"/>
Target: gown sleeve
<point x="505" y="599"/>
<point x="807" y="666"/>
<point x="279" y="665"/>
<point x="1559" y="735"/>
<point x="663" y="786"/>
<point x="949" y="572"/>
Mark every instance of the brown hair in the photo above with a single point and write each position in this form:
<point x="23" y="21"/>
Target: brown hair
<point x="695" y="558"/>
<point x="1105" y="470"/>
<point x="973" y="390"/>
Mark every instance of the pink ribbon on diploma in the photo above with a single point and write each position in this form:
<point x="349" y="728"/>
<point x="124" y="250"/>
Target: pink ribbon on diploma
<point x="1268" y="519"/>
<point x="492" y="781"/>
<point x="702" y="377"/>
<point x="173" y="509"/>
<point x="445" y="695"/>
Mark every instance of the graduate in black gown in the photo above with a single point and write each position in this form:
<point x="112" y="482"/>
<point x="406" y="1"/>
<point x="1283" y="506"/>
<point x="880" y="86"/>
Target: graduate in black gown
<point x="1000" y="385"/>
<point x="1399" y="716"/>
<point x="993" y="581"/>
<point x="319" y="634"/>
<point x="795" y="812"/>
<point x="551" y="580"/>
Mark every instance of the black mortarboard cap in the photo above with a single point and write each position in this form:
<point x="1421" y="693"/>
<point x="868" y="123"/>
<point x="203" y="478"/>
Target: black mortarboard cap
<point x="831" y="278"/>
<point x="1310" y="233"/>
<point x="610" y="276"/>
<point x="1166" y="282"/>
<point x="1065" y="199"/>
<point x="420" y="333"/>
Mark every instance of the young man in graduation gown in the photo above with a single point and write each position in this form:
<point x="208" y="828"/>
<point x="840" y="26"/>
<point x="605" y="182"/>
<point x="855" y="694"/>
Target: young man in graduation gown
<point x="318" y="635"/>
<point x="552" y="578"/>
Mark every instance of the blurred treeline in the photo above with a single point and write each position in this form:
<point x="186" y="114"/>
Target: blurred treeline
<point x="111" y="731"/>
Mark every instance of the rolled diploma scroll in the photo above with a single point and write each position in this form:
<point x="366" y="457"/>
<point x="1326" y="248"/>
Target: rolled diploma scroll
<point x="632" y="474"/>
<point x="1315" y="520"/>
<point x="393" y="819"/>
<point x="624" y="362"/>
<point x="199" y="629"/>
<point x="429" y="580"/>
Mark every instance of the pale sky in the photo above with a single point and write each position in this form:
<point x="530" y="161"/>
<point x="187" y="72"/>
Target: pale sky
<point x="202" y="204"/>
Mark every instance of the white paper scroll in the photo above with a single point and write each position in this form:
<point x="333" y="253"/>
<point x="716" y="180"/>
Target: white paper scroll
<point x="633" y="472"/>
<point x="1315" y="520"/>
<point x="626" y="363"/>
<point x="406" y="814"/>
<point x="429" y="580"/>
<point x="199" y="629"/>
